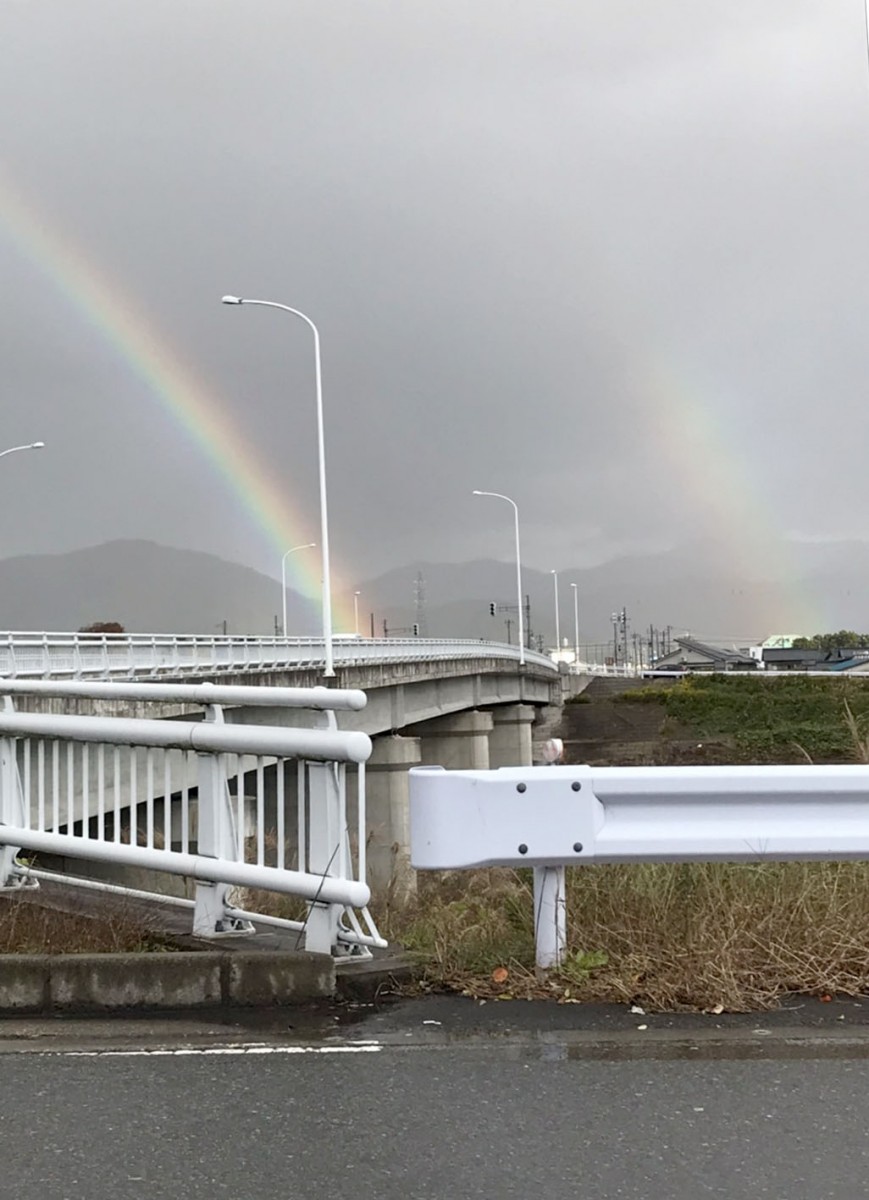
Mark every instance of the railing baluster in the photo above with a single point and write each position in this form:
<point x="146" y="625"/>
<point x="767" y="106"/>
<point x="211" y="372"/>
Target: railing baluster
<point x="149" y="797"/>
<point x="240" y="827"/>
<point x="40" y="767"/>
<point x="116" y="797"/>
<point x="133" y="759"/>
<point x="260" y="812"/>
<point x="55" y="785"/>
<point x="101" y="792"/>
<point x="280" y="768"/>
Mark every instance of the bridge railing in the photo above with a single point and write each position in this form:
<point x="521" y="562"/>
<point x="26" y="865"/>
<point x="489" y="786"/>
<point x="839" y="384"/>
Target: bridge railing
<point x="90" y="655"/>
<point x="233" y="808"/>
<point x="549" y="818"/>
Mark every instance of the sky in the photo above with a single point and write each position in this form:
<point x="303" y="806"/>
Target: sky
<point x="610" y="259"/>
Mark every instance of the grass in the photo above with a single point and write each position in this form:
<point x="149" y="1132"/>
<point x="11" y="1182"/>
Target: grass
<point x="28" y="928"/>
<point x="769" y="720"/>
<point x="668" y="937"/>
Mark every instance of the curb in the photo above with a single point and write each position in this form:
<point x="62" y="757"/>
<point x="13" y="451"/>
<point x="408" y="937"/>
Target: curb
<point x="100" y="983"/>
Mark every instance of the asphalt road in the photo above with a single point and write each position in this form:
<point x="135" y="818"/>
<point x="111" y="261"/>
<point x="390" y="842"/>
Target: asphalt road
<point x="437" y="1100"/>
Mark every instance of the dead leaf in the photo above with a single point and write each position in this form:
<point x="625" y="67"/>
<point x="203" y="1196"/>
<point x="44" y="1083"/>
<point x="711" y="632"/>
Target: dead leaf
<point x="500" y="975"/>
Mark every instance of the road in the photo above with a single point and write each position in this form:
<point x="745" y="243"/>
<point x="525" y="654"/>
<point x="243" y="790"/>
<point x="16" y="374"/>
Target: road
<point x="438" y="1099"/>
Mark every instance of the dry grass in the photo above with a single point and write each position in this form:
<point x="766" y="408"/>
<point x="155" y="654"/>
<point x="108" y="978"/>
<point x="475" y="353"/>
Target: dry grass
<point x="668" y="937"/>
<point x="28" y="928"/>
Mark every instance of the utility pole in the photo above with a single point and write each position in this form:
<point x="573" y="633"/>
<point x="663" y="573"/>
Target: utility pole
<point x="419" y="600"/>
<point x="509" y="624"/>
<point x="372" y="624"/>
<point x="625" y="633"/>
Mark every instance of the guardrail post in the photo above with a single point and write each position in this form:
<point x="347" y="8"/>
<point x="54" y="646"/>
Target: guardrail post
<point x="550" y="917"/>
<point x="11" y="811"/>
<point x="324" y="852"/>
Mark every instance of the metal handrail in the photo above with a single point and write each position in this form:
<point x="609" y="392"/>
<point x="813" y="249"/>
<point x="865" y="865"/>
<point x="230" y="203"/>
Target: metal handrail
<point x="76" y="655"/>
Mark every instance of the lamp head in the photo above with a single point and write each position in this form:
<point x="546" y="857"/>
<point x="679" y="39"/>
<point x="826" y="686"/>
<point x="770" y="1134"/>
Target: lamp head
<point x="232" y="300"/>
<point x="37" y="446"/>
<point x="476" y="493"/>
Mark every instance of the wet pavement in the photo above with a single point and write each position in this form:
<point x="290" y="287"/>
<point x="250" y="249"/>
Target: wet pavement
<point x="439" y="1097"/>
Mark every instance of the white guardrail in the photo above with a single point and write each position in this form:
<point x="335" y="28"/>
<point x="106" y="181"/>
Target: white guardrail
<point x="228" y="807"/>
<point x="96" y="655"/>
<point x="552" y="817"/>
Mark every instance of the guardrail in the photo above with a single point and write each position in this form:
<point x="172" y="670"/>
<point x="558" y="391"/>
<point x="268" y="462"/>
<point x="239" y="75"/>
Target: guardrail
<point x="200" y="799"/>
<point x="549" y="818"/>
<point x="80" y="655"/>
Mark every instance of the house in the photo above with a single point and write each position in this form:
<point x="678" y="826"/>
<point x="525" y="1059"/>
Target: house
<point x="690" y="655"/>
<point x="843" y="658"/>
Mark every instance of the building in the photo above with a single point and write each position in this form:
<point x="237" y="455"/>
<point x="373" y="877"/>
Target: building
<point x="689" y="655"/>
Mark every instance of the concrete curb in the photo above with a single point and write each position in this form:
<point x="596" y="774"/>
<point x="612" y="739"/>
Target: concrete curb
<point x="99" y="983"/>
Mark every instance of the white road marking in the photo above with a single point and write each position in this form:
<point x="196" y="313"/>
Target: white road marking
<point x="186" y="1051"/>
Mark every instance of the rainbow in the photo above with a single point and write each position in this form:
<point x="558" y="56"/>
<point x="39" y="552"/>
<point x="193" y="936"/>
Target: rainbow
<point x="206" y="421"/>
<point x="685" y="426"/>
<point x="694" y="448"/>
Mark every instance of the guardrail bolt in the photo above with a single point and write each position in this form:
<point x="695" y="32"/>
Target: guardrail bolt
<point x="523" y="849"/>
<point x="576" y="786"/>
<point x="577" y="847"/>
<point x="520" y="787"/>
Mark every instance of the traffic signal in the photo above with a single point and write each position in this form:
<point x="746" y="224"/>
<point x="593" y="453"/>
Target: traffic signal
<point x="492" y="609"/>
<point x="415" y="629"/>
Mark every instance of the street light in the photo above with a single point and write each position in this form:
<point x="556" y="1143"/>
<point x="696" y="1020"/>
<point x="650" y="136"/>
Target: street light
<point x="500" y="496"/>
<point x="356" y="612"/>
<point x="29" y="446"/>
<point x="557" y="621"/>
<point x="321" y="455"/>
<point x="575" y="624"/>
<point x="306" y="546"/>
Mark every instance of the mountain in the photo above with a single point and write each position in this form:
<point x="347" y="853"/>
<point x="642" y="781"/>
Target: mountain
<point x="696" y="588"/>
<point x="146" y="587"/>
<point x="150" y="588"/>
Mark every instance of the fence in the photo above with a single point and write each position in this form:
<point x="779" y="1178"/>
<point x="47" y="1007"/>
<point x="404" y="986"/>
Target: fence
<point x="82" y="655"/>
<point x="552" y="817"/>
<point x="227" y="806"/>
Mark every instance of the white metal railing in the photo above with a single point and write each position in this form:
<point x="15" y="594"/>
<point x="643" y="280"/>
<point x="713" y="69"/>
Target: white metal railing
<point x="226" y="806"/>
<point x="552" y="817"/>
<point x="81" y="655"/>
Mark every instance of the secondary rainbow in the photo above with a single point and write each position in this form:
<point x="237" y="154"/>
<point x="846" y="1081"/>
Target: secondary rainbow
<point x="206" y="420"/>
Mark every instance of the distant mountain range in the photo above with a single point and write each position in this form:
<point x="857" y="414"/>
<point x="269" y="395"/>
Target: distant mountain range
<point x="155" y="589"/>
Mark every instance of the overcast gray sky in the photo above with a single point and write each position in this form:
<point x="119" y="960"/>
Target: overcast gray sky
<point x="608" y="258"/>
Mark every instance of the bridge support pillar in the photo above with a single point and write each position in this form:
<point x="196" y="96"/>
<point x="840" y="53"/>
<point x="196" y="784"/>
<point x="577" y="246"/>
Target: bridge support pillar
<point x="387" y="807"/>
<point x="459" y="741"/>
<point x="510" y="742"/>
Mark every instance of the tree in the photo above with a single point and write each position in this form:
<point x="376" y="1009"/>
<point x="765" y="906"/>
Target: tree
<point x="845" y="639"/>
<point x="103" y="627"/>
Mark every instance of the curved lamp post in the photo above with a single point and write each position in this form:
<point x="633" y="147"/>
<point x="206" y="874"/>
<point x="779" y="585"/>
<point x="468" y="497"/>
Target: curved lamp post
<point x="321" y="456"/>
<point x="575" y="624"/>
<point x="29" y="446"/>
<point x="292" y="550"/>
<point x="356" y="612"/>
<point x="500" y="496"/>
